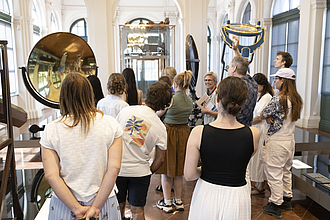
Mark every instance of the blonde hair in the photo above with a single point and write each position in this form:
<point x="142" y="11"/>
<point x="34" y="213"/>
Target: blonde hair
<point x="77" y="101"/>
<point x="170" y="72"/>
<point x="213" y="74"/>
<point x="183" y="79"/>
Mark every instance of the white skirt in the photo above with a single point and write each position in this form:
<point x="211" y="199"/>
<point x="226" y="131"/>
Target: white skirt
<point x="213" y="202"/>
<point x="109" y="211"/>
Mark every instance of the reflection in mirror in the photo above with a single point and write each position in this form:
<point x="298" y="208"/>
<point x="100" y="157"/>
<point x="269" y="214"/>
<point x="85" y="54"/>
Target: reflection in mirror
<point x="53" y="57"/>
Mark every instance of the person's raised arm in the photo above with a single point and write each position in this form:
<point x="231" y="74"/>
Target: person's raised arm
<point x="191" y="171"/>
<point x="109" y="180"/>
<point x="235" y="46"/>
<point x="158" y="159"/>
<point x="51" y="164"/>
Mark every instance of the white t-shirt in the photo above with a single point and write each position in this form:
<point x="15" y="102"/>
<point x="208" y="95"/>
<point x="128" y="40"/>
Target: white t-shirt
<point x="83" y="158"/>
<point x="209" y="118"/>
<point x="112" y="105"/>
<point x="287" y="130"/>
<point x="142" y="131"/>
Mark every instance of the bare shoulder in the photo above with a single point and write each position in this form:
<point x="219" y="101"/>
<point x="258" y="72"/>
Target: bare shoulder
<point x="198" y="129"/>
<point x="255" y="132"/>
<point x="196" y="133"/>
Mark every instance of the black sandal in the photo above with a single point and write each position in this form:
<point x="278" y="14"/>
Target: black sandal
<point x="159" y="188"/>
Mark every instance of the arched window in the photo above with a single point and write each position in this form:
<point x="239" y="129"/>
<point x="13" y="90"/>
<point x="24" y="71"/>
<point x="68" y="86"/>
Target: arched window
<point x="285" y="31"/>
<point x="6" y="34"/>
<point x="247" y="14"/>
<point x="246" y="20"/>
<point x="208" y="48"/>
<point x="79" y="27"/>
<point x="282" y="6"/>
<point x="53" y="23"/>
<point x="36" y="26"/>
<point x="4" y="7"/>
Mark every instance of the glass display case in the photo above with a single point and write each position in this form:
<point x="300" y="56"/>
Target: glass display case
<point x="147" y="49"/>
<point x="312" y="149"/>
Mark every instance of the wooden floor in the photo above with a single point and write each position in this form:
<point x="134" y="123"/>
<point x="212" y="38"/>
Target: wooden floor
<point x="303" y="207"/>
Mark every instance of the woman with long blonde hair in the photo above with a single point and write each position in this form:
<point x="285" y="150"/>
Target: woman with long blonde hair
<point x="176" y="122"/>
<point x="81" y="154"/>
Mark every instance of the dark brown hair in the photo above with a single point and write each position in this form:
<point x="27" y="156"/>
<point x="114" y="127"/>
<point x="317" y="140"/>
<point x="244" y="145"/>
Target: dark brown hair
<point x="97" y="88"/>
<point x="286" y="57"/>
<point x="159" y="96"/>
<point x="132" y="96"/>
<point x="261" y="79"/>
<point x="165" y="79"/>
<point x="232" y="92"/>
<point x="116" y="84"/>
<point x="288" y="90"/>
<point x="77" y="101"/>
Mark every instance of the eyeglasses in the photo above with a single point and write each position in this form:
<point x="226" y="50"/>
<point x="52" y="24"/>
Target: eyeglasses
<point x="208" y="80"/>
<point x="226" y="68"/>
<point x="276" y="78"/>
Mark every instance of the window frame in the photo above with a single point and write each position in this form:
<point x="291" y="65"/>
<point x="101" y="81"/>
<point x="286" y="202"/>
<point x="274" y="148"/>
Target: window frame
<point x="5" y="18"/>
<point x="284" y="18"/>
<point x="85" y="37"/>
<point x="53" y="21"/>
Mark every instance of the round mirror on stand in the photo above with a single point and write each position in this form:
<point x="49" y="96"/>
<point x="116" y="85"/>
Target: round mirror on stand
<point x="51" y="59"/>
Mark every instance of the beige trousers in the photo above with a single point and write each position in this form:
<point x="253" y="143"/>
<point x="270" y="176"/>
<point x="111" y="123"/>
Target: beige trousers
<point x="278" y="157"/>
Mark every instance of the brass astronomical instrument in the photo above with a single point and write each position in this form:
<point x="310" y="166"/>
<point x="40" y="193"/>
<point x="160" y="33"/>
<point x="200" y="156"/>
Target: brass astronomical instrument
<point x="242" y="30"/>
<point x="50" y="60"/>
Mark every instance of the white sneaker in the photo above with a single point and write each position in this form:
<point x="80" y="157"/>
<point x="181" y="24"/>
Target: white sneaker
<point x="165" y="207"/>
<point x="178" y="205"/>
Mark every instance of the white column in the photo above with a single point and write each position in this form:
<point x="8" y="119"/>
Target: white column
<point x="174" y="20"/>
<point x="181" y="46"/>
<point x="101" y="37"/>
<point x="262" y="56"/>
<point x="49" y="7"/>
<point x="310" y="38"/>
<point x="116" y="29"/>
<point x="23" y="37"/>
<point x="196" y="16"/>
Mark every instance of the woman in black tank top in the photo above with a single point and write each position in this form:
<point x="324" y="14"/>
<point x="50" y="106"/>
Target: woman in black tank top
<point x="225" y="147"/>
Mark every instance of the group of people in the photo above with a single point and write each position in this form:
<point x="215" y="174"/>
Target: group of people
<point x="102" y="151"/>
<point x="264" y="157"/>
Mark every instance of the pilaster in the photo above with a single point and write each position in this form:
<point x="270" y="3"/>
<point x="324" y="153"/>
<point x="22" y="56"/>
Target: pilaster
<point x="310" y="42"/>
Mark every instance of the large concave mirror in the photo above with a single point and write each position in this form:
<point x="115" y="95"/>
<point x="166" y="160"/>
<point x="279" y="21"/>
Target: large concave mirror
<point x="51" y="59"/>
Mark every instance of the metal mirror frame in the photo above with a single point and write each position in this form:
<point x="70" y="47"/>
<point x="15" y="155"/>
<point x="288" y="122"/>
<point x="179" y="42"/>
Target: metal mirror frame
<point x="25" y="70"/>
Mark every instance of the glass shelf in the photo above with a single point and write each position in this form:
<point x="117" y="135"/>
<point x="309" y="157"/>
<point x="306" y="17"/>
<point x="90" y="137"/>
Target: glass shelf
<point x="147" y="49"/>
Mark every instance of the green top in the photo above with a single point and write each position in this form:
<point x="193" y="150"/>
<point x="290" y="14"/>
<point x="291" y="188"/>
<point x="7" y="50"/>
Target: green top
<point x="180" y="110"/>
